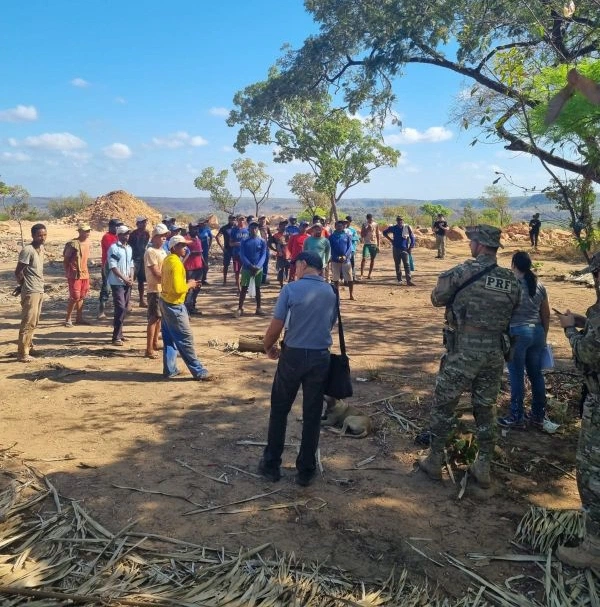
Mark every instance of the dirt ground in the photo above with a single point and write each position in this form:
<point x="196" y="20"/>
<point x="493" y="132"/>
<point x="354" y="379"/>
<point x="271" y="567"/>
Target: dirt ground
<point x="110" y="432"/>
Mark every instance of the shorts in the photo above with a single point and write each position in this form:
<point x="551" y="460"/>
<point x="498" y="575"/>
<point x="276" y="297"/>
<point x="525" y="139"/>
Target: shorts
<point x="227" y="257"/>
<point x="341" y="269"/>
<point x="246" y="276"/>
<point x="139" y="271"/>
<point x="78" y="288"/>
<point x="237" y="265"/>
<point x="154" y="312"/>
<point x="370" y="250"/>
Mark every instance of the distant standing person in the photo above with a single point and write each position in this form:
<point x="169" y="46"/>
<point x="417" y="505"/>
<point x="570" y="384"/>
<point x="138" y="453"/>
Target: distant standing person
<point x="278" y="244"/>
<point x="440" y="229"/>
<point x="341" y="252"/>
<point x="355" y="236"/>
<point x="252" y="255"/>
<point x="403" y="242"/>
<point x="319" y="244"/>
<point x="534" y="230"/>
<point x="138" y="241"/>
<point x="303" y="361"/>
<point x="371" y="238"/>
<point x="193" y="264"/>
<point x="296" y="246"/>
<point x="120" y="279"/>
<point x="265" y="233"/>
<point x="222" y="239"/>
<point x="30" y="277"/>
<point x="108" y="239"/>
<point x="206" y="237"/>
<point x="76" y="255"/>
<point x="292" y="227"/>
<point x="238" y="233"/>
<point x="175" y="324"/>
<point x="153" y="260"/>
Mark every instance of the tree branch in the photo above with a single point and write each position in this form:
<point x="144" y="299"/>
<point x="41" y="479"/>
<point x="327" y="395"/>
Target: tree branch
<point x="504" y="47"/>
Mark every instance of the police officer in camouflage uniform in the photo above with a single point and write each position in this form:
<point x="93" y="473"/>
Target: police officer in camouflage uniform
<point x="586" y="350"/>
<point x="479" y="297"/>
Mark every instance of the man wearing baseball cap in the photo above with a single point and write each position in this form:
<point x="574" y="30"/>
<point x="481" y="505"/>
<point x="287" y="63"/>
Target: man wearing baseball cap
<point x="292" y="227"/>
<point x="175" y="324"/>
<point x="76" y="255"/>
<point x="138" y="241"/>
<point x="583" y="333"/>
<point x="153" y="261"/>
<point x="108" y="239"/>
<point x="479" y="297"/>
<point x="120" y="279"/>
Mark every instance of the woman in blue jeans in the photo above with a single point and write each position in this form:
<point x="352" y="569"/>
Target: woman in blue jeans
<point x="529" y="325"/>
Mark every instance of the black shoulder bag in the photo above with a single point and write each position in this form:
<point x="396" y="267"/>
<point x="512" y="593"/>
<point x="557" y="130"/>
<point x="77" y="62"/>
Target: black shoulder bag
<point x="338" y="383"/>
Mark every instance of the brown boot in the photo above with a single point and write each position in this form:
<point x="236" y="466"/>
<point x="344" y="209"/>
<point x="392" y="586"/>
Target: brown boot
<point x="480" y="470"/>
<point x="432" y="465"/>
<point x="584" y="556"/>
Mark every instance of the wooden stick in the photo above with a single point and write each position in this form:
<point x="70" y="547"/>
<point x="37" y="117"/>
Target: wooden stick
<point x="243" y="471"/>
<point x="150" y="491"/>
<point x="212" y="478"/>
<point x="52" y="489"/>
<point x="380" y="400"/>
<point x="248" y="499"/>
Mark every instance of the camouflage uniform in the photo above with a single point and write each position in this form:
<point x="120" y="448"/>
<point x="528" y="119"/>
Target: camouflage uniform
<point x="586" y="350"/>
<point x="477" y="319"/>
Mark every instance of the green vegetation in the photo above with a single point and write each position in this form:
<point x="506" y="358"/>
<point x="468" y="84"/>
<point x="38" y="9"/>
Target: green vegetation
<point x="69" y="205"/>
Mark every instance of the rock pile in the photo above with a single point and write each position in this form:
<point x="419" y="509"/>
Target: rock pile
<point x="120" y="205"/>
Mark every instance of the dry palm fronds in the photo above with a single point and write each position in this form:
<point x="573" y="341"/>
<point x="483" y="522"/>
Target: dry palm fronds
<point x="66" y="557"/>
<point x="544" y="529"/>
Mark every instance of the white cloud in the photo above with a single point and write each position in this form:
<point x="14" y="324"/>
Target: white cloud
<point x="227" y="148"/>
<point x="120" y="100"/>
<point x="80" y="83"/>
<point x="178" y="140"/>
<point x="118" y="151"/>
<point x="222" y="112"/>
<point x="16" y="156"/>
<point x="21" y="113"/>
<point x="52" y="141"/>
<point x="434" y="134"/>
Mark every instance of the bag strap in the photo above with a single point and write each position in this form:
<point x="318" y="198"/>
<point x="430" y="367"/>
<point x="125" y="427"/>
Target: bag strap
<point x="339" y="319"/>
<point x="471" y="280"/>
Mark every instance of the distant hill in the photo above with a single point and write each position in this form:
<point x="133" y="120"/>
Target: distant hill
<point x="521" y="206"/>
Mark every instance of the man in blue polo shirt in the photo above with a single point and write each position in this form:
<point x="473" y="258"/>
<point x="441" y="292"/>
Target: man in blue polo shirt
<point x="120" y="279"/>
<point x="252" y="255"/>
<point x="403" y="242"/>
<point x="303" y="361"/>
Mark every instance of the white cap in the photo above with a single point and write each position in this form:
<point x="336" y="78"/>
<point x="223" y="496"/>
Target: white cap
<point x="160" y="229"/>
<point x="167" y="217"/>
<point x="123" y="229"/>
<point x="140" y="219"/>
<point x="175" y="240"/>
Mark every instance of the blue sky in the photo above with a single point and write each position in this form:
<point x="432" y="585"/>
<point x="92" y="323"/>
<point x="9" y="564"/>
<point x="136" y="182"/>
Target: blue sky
<point x="104" y="95"/>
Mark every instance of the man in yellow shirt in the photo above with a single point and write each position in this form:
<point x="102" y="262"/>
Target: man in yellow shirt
<point x="175" y="323"/>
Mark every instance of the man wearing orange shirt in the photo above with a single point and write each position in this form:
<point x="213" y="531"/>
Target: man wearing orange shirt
<point x="296" y="246"/>
<point x="76" y="255"/>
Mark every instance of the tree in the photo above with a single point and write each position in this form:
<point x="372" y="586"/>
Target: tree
<point x="69" y="205"/>
<point x="303" y="186"/>
<point x="341" y="151"/>
<point x="501" y="47"/>
<point x="470" y="217"/>
<point x="433" y="210"/>
<point x="578" y="198"/>
<point x="408" y="212"/>
<point x="496" y="200"/>
<point x="214" y="183"/>
<point x="252" y="177"/>
<point x="15" y="201"/>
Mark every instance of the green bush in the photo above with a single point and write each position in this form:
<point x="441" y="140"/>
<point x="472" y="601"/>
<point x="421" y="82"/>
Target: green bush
<point x="69" y="205"/>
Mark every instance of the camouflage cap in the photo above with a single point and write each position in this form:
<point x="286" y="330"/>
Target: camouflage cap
<point x="594" y="265"/>
<point x="488" y="236"/>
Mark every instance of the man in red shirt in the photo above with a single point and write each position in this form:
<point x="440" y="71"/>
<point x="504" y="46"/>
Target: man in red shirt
<point x="296" y="246"/>
<point x="193" y="264"/>
<point x="108" y="239"/>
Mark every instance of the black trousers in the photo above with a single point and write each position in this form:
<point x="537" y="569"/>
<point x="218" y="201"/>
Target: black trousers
<point x="297" y="367"/>
<point x="401" y="259"/>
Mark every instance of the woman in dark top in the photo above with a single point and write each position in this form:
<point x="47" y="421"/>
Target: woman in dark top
<point x="529" y="325"/>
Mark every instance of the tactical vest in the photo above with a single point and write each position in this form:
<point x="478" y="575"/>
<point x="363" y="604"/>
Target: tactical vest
<point x="481" y="312"/>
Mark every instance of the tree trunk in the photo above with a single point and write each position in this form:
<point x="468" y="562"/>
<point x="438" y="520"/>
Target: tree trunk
<point x="250" y="343"/>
